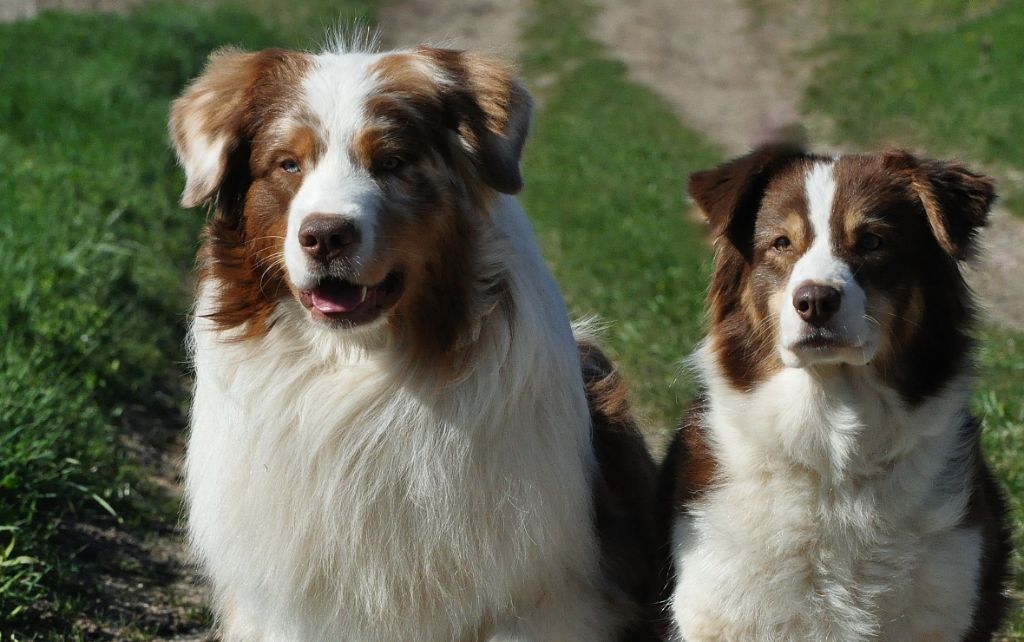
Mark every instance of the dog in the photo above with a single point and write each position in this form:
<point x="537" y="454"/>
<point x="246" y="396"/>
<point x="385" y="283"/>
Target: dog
<point x="394" y="433"/>
<point x="828" y="484"/>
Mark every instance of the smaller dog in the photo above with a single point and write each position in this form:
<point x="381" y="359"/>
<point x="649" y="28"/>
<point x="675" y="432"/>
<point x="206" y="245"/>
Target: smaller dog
<point x="829" y="483"/>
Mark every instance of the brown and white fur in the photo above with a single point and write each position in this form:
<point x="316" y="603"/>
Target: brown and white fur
<point x="390" y="436"/>
<point x="829" y="484"/>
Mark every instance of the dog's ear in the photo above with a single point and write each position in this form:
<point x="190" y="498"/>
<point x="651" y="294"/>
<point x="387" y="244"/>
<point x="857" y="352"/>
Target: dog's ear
<point x="216" y="114"/>
<point x="207" y="120"/>
<point x="730" y="194"/>
<point x="489" y="109"/>
<point x="956" y="200"/>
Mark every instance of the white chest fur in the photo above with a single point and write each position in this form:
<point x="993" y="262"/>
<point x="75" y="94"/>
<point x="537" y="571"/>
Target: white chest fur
<point x="836" y="516"/>
<point x="336" y="497"/>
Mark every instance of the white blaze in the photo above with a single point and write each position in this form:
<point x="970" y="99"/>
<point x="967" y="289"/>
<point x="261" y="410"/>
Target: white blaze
<point x="335" y="92"/>
<point x="820" y="265"/>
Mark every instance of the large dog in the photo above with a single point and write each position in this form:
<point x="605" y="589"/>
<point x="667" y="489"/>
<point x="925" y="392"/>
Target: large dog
<point x="390" y="436"/>
<point x="829" y="485"/>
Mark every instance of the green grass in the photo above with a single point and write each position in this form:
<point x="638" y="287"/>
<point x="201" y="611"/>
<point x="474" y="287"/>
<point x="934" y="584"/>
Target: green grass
<point x="94" y="257"/>
<point x="941" y="75"/>
<point x="1000" y="401"/>
<point x="605" y="174"/>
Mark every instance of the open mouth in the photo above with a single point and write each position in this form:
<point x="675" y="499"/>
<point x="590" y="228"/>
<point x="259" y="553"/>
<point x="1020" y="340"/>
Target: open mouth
<point x="346" y="302"/>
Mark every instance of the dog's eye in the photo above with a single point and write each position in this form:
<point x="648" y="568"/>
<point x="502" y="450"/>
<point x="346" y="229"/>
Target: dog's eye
<point x="869" y="242"/>
<point x="390" y="163"/>
<point x="782" y="243"/>
<point x="291" y="166"/>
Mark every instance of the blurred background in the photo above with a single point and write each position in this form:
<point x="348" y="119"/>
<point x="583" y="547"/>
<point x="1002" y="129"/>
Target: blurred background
<point x="96" y="256"/>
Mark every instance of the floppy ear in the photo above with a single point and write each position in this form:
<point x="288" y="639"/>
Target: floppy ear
<point x="730" y="194"/>
<point x="956" y="200"/>
<point x="490" y="111"/>
<point x="220" y="110"/>
<point x="206" y="122"/>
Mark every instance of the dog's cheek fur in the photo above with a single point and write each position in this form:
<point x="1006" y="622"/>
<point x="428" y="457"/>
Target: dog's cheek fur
<point x="432" y="239"/>
<point x="245" y="259"/>
<point x="430" y="222"/>
<point x="244" y="247"/>
<point x="744" y="328"/>
<point x="241" y="98"/>
<point x="914" y="277"/>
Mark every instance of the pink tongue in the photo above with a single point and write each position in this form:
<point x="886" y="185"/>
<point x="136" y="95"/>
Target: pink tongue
<point x="335" y="299"/>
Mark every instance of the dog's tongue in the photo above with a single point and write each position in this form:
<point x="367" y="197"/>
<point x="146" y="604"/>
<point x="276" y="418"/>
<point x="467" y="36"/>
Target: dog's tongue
<point x="335" y="297"/>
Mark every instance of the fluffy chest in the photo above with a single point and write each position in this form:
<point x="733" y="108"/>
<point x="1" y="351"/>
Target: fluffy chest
<point x="352" y="494"/>
<point x="835" y="516"/>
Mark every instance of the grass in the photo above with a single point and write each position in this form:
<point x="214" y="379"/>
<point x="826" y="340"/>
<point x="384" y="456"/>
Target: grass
<point x="605" y="178"/>
<point x="942" y="75"/>
<point x="1000" y="401"/>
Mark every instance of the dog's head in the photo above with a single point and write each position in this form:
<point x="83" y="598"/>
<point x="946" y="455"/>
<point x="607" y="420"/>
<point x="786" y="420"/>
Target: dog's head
<point x="848" y="261"/>
<point x="351" y="183"/>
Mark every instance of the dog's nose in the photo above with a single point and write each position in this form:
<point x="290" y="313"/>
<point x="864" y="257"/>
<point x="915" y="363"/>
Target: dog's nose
<point x="325" y="237"/>
<point x="816" y="303"/>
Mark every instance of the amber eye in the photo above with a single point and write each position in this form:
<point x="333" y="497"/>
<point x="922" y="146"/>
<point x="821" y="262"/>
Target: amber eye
<point x="290" y="166"/>
<point x="869" y="242"/>
<point x="782" y="243"/>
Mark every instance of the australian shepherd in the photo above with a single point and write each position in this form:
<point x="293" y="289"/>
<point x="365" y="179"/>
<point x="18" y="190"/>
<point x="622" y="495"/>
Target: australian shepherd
<point x="394" y="433"/>
<point x="829" y="484"/>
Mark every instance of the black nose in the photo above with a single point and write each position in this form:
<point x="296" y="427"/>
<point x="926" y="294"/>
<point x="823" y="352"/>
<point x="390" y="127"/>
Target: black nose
<point x="816" y="303"/>
<point x="325" y="237"/>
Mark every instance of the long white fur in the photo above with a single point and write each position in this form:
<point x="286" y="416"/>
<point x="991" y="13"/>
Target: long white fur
<point x="335" y="492"/>
<point x="836" y="514"/>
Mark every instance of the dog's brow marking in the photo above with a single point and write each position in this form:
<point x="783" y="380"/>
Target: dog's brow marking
<point x="821" y="191"/>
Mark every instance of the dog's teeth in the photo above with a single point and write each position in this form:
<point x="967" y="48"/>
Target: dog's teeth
<point x="363" y="297"/>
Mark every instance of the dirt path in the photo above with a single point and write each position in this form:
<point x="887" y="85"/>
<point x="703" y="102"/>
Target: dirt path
<point x="485" y="25"/>
<point x="729" y="72"/>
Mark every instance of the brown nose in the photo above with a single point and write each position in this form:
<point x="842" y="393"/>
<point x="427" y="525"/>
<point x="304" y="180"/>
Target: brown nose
<point x="816" y="303"/>
<point x="325" y="237"/>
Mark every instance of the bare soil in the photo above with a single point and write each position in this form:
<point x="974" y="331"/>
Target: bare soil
<point x="485" y="25"/>
<point x="730" y="72"/>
